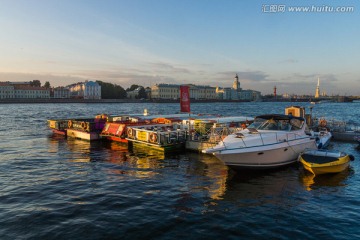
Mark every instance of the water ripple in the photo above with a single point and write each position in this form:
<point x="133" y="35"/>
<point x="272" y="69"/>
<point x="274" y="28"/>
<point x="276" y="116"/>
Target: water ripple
<point x="57" y="188"/>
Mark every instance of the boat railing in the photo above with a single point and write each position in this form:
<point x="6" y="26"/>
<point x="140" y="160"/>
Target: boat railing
<point x="269" y="138"/>
<point x="157" y="136"/>
<point x="213" y="135"/>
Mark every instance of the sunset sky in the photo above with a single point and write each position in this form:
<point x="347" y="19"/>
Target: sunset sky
<point x="204" y="42"/>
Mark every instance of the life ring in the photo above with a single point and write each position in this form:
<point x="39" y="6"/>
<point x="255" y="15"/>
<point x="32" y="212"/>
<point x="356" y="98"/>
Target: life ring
<point x="153" y="137"/>
<point x="323" y="123"/>
<point x="70" y="124"/>
<point x="83" y="125"/>
<point x="130" y="132"/>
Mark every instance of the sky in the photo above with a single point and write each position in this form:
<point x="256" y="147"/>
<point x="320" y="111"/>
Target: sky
<point x="202" y="42"/>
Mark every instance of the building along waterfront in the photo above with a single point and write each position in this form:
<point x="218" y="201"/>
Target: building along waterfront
<point x="198" y="92"/>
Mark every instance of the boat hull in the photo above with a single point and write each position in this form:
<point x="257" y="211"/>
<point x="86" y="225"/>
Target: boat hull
<point x="263" y="157"/>
<point x="345" y="136"/>
<point x="90" y="136"/>
<point x="59" y="132"/>
<point x="162" y="148"/>
<point x="114" y="138"/>
<point x="325" y="165"/>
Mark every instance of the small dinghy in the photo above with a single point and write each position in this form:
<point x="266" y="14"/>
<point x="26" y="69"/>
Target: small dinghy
<point x="325" y="161"/>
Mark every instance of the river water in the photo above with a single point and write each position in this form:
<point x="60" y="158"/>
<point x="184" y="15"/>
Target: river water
<point x="57" y="188"/>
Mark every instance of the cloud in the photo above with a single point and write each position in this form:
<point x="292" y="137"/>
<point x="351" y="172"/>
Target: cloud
<point x="169" y="68"/>
<point x="328" y="77"/>
<point x="256" y="76"/>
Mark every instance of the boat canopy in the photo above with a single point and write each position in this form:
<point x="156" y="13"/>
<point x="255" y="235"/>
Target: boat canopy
<point x="277" y="122"/>
<point x="279" y="117"/>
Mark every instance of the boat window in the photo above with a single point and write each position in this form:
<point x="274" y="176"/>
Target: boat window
<point x="270" y="125"/>
<point x="257" y="123"/>
<point x="284" y="125"/>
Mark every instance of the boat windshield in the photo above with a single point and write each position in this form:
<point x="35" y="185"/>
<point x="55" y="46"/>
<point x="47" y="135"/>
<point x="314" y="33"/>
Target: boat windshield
<point x="257" y="123"/>
<point x="276" y="124"/>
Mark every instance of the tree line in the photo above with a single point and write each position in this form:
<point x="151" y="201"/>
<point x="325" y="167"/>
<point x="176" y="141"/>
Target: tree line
<point x="114" y="91"/>
<point x="37" y="83"/>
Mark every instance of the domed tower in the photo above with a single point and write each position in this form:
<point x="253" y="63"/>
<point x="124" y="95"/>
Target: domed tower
<point x="236" y="84"/>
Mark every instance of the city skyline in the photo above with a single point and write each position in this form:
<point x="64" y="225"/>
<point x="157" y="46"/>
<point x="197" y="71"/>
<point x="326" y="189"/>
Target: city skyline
<point x="183" y="42"/>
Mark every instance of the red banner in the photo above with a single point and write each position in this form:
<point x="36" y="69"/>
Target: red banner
<point x="184" y="99"/>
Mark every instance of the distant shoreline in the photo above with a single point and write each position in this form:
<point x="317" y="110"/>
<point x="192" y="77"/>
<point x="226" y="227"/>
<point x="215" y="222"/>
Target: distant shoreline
<point x="69" y="100"/>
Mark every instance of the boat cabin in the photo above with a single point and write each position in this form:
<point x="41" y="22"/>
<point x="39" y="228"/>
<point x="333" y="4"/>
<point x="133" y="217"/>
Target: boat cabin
<point x="277" y="122"/>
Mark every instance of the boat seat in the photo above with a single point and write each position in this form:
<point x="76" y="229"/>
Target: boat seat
<point x="239" y="135"/>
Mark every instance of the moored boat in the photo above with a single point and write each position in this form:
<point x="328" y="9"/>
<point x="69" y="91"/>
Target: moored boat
<point x="271" y="141"/>
<point x="340" y="130"/>
<point x="347" y="135"/>
<point x="87" y="129"/>
<point x="164" y="137"/>
<point x="325" y="161"/>
<point x="322" y="137"/>
<point x="58" y="126"/>
<point x="116" y="129"/>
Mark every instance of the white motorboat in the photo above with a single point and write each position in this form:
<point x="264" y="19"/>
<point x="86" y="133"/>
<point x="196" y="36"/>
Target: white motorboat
<point x="272" y="140"/>
<point x="322" y="138"/>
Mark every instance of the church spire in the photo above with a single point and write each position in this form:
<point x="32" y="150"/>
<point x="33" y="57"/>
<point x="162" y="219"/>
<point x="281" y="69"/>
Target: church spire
<point x="317" y="92"/>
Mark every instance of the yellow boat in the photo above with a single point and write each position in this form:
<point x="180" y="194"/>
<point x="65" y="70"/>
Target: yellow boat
<point x="325" y="161"/>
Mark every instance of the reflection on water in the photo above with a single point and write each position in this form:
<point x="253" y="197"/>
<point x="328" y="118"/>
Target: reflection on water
<point x="216" y="171"/>
<point x="145" y="151"/>
<point x="259" y="188"/>
<point x="312" y="182"/>
<point x="144" y="162"/>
